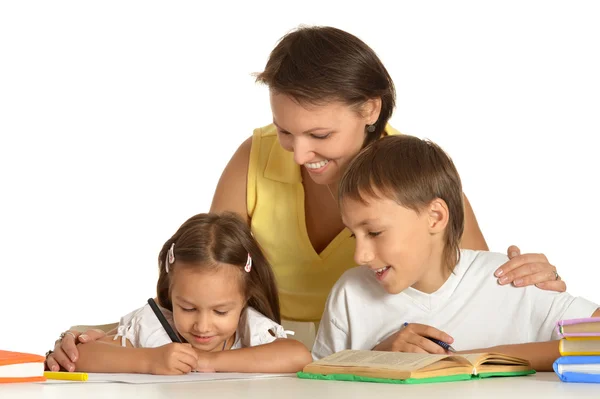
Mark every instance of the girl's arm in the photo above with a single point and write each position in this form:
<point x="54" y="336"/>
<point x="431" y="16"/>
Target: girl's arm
<point x="108" y="356"/>
<point x="280" y="356"/>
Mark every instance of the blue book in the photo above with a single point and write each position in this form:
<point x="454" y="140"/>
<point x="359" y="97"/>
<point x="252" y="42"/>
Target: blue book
<point x="578" y="368"/>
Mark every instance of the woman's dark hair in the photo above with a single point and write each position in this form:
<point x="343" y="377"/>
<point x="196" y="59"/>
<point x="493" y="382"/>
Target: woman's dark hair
<point x="316" y="65"/>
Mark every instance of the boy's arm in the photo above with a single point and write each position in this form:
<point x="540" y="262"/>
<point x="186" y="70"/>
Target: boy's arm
<point x="541" y="355"/>
<point x="280" y="356"/>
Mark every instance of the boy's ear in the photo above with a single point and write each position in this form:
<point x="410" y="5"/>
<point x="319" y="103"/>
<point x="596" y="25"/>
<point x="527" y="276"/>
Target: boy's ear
<point x="438" y="215"/>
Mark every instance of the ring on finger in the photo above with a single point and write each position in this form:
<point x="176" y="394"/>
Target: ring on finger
<point x="556" y="276"/>
<point x="63" y="334"/>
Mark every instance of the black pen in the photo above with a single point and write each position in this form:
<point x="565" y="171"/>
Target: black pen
<point x="163" y="321"/>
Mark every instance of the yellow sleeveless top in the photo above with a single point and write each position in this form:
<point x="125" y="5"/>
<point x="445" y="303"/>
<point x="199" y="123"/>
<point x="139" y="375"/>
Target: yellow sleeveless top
<point x="275" y="198"/>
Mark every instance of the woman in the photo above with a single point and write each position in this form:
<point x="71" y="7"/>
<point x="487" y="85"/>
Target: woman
<point x="330" y="96"/>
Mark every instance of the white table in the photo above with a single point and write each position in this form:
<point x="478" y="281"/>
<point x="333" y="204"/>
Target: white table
<point x="542" y="385"/>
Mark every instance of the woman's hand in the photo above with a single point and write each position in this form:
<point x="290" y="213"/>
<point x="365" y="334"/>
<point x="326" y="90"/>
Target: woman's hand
<point x="413" y="338"/>
<point x="65" y="353"/>
<point x="529" y="269"/>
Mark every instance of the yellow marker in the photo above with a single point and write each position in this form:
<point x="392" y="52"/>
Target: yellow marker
<point x="64" y="375"/>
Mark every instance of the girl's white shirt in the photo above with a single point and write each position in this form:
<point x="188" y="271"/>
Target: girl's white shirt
<point x="143" y="329"/>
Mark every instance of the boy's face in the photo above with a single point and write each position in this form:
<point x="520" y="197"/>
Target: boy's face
<point x="398" y="244"/>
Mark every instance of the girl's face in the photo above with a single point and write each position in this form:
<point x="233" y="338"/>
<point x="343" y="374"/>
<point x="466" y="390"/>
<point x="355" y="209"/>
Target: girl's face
<point x="325" y="138"/>
<point x="207" y="304"/>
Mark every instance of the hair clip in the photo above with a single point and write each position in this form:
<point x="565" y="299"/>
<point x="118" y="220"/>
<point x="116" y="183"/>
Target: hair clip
<point x="248" y="266"/>
<point x="170" y="257"/>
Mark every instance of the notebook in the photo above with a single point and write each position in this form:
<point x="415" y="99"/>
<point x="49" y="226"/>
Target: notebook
<point x="587" y="328"/>
<point x="413" y="368"/>
<point x="578" y="368"/>
<point x="21" y="367"/>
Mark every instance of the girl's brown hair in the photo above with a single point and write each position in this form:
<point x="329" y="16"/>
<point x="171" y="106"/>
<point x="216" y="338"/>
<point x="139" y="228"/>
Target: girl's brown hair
<point x="412" y="172"/>
<point x="210" y="240"/>
<point x="316" y="65"/>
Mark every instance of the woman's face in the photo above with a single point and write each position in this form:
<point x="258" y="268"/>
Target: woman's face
<point x="323" y="138"/>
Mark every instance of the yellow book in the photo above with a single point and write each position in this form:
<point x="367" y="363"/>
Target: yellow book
<point x="407" y="368"/>
<point x="579" y="347"/>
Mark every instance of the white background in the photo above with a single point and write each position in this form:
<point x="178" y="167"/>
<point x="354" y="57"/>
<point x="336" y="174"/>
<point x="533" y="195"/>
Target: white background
<point x="117" y="117"/>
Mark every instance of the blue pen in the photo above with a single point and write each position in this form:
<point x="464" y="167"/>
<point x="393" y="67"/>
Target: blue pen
<point x="437" y="341"/>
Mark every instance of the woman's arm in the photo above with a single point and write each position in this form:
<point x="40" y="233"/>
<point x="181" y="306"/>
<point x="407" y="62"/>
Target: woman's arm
<point x="520" y="270"/>
<point x="230" y="194"/>
<point x="472" y="237"/>
<point x="280" y="356"/>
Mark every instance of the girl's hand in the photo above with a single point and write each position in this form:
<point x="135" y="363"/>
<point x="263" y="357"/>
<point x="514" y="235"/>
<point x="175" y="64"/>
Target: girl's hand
<point x="173" y="359"/>
<point x="205" y="362"/>
<point x="413" y="338"/>
<point x="65" y="352"/>
<point x="529" y="269"/>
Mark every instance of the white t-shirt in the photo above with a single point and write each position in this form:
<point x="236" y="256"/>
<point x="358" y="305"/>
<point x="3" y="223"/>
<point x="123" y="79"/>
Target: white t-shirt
<point x="471" y="307"/>
<point x="142" y="328"/>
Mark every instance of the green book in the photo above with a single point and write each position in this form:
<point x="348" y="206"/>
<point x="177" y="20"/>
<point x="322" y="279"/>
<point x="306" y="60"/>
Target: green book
<point x="413" y="368"/>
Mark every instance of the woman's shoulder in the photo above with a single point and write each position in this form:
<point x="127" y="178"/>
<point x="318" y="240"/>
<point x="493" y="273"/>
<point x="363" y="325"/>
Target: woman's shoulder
<point x="265" y="131"/>
<point x="391" y="131"/>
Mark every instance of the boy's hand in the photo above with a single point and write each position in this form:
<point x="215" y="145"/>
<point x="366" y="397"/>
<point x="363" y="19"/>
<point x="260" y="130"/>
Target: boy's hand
<point x="173" y="359"/>
<point x="412" y="338"/>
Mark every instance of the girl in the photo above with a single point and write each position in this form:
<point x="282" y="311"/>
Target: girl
<point x="402" y="199"/>
<point x="217" y="291"/>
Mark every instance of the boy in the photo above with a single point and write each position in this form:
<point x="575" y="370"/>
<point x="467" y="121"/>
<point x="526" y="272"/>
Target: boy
<point x="402" y="199"/>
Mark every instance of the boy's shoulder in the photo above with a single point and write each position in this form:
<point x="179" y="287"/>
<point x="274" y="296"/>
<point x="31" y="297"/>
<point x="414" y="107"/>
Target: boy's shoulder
<point x="479" y="263"/>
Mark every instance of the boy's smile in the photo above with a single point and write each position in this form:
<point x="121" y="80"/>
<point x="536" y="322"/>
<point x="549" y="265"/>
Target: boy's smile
<point x="401" y="246"/>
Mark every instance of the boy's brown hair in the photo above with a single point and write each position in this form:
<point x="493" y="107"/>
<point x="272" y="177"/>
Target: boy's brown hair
<point x="210" y="240"/>
<point x="316" y="65"/>
<point x="412" y="172"/>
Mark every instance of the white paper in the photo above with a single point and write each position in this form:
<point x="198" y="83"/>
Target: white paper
<point x="162" y="379"/>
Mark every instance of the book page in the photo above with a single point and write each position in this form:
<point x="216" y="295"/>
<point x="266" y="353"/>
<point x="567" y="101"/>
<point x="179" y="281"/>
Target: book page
<point x="587" y="327"/>
<point x="389" y="360"/>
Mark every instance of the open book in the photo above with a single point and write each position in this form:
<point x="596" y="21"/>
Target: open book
<point x="396" y="367"/>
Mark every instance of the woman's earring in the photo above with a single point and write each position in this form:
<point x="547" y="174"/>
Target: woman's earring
<point x="371" y="128"/>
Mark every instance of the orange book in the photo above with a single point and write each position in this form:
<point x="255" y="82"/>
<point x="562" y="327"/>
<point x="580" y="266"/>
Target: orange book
<point x="21" y="367"/>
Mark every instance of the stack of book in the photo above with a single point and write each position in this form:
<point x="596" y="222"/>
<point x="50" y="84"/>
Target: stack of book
<point x="580" y="350"/>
